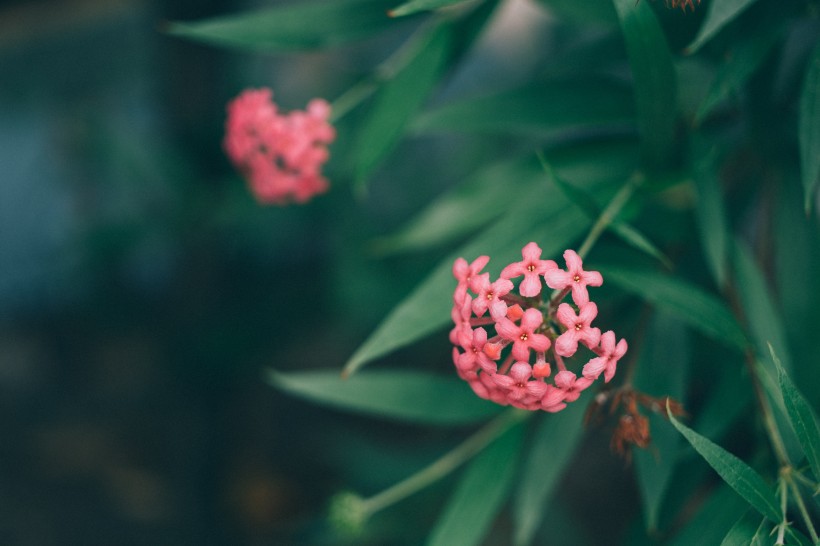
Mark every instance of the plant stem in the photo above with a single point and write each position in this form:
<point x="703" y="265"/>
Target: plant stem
<point x="446" y="464"/>
<point x="802" y="507"/>
<point x="784" y="498"/>
<point x="612" y="210"/>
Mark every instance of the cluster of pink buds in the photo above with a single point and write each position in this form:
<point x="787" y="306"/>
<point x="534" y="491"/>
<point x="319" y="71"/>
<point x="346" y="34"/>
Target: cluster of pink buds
<point x="280" y="155"/>
<point x="532" y="332"/>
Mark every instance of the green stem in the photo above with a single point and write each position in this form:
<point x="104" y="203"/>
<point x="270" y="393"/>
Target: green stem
<point x="802" y="507"/>
<point x="769" y="422"/>
<point x="446" y="464"/>
<point x="784" y="499"/>
<point x="611" y="211"/>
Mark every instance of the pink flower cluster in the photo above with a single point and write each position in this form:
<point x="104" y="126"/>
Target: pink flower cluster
<point x="512" y="365"/>
<point x="280" y="155"/>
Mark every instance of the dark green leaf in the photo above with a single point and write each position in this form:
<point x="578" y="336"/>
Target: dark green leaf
<point x="743" y="532"/>
<point x="802" y="418"/>
<point x="715" y="516"/>
<point x="809" y="129"/>
<point x="551" y="109"/>
<point x="745" y="56"/>
<point x="294" y="26"/>
<point x="545" y="218"/>
<point x="408" y="396"/>
<point x="711" y="218"/>
<point x="591" y="10"/>
<point x="653" y="74"/>
<point x="556" y="439"/>
<point x="638" y="240"/>
<point x="699" y="309"/>
<point x="796" y="537"/>
<point x="718" y="14"/>
<point x="400" y="97"/>
<point x="415" y="6"/>
<point x="480" y="494"/>
<point x="738" y="475"/>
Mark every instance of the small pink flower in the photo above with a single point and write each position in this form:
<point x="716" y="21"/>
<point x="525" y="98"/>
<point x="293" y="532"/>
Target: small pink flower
<point x="608" y="355"/>
<point x="523" y="336"/>
<point x="532" y="267"/>
<point x="464" y="273"/>
<point x="570" y="385"/>
<point x="489" y="295"/>
<point x="473" y="342"/>
<point x="553" y="399"/>
<point x="280" y="154"/>
<point x="578" y="328"/>
<point x="575" y="277"/>
<point x="517" y="384"/>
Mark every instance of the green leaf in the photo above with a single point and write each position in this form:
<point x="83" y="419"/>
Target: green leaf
<point x="809" y="128"/>
<point x="548" y="109"/>
<point x="408" y="396"/>
<point x="718" y="14"/>
<point x="801" y="416"/>
<point x="415" y="6"/>
<point x="743" y="532"/>
<point x="708" y="526"/>
<point x="699" y="309"/>
<point x="481" y="198"/>
<point x="556" y="439"/>
<point x="639" y="241"/>
<point x="589" y="10"/>
<point x="738" y="475"/>
<point x="299" y="25"/>
<point x="545" y="218"/>
<point x="653" y="74"/>
<point x="399" y="98"/>
<point x="744" y="57"/>
<point x="662" y="371"/>
<point x="711" y="218"/>
<point x="481" y="492"/>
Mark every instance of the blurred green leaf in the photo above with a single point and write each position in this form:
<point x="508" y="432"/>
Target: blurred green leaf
<point x="662" y="371"/>
<point x="590" y="10"/>
<point x="718" y="14"/>
<point x="710" y="214"/>
<point x="544" y="218"/>
<point x="398" y="99"/>
<point x="554" y="109"/>
<point x="809" y="128"/>
<point x="744" y="57"/>
<point x="740" y="476"/>
<point x="482" y="197"/>
<point x="639" y="241"/>
<point x="796" y="537"/>
<point x="801" y="416"/>
<point x="555" y="440"/>
<point x="408" y="396"/>
<point x="415" y="6"/>
<point x="653" y="74"/>
<point x="743" y="532"/>
<point x="481" y="492"/>
<point x="714" y="516"/>
<point x="294" y="26"/>
<point x="699" y="309"/>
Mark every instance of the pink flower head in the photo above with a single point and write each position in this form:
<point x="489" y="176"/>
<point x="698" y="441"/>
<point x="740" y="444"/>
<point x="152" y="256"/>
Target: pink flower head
<point x="578" y="328"/>
<point x="532" y="267"/>
<point x="517" y="384"/>
<point x="523" y="336"/>
<point x="575" y="278"/>
<point x="608" y="355"/>
<point x="572" y="386"/>
<point x="280" y="154"/>
<point x="489" y="295"/>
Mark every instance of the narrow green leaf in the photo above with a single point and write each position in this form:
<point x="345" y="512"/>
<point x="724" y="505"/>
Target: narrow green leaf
<point x="801" y="416"/>
<point x="653" y="74"/>
<point x="718" y="14"/>
<point x="556" y="439"/>
<point x="745" y="56"/>
<point x="549" y="109"/>
<point x="481" y="492"/>
<point x="699" y="309"/>
<point x="407" y="396"/>
<point x="415" y="6"/>
<point x="399" y="99"/>
<point x="545" y="219"/>
<point x="589" y="10"/>
<point x="743" y="532"/>
<point x="638" y="240"/>
<point x="809" y="128"/>
<point x="710" y="214"/>
<point x="299" y="25"/>
<point x="714" y="516"/>
<point x="738" y="475"/>
<point x="796" y="537"/>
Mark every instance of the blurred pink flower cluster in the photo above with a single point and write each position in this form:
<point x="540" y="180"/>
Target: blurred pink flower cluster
<point x="532" y="333"/>
<point x="280" y="155"/>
